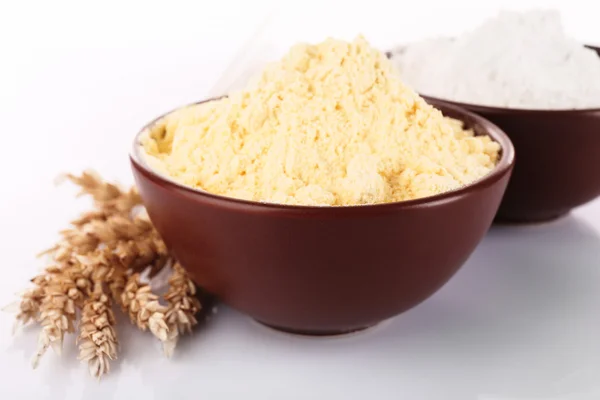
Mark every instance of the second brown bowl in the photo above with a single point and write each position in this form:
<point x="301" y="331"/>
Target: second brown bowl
<point x="558" y="165"/>
<point x="325" y="270"/>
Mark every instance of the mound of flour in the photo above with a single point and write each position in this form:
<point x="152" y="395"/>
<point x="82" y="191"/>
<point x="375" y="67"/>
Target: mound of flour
<point x="516" y="60"/>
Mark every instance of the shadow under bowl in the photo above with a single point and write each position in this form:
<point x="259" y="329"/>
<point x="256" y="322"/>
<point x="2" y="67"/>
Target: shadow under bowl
<point x="324" y="270"/>
<point x="558" y="165"/>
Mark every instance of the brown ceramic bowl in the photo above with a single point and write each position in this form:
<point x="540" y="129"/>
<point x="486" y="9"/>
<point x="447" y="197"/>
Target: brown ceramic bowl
<point x="324" y="270"/>
<point x="559" y="159"/>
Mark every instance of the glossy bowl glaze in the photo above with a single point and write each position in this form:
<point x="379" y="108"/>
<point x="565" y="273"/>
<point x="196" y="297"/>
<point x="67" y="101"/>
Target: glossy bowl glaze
<point x="558" y="165"/>
<point x="324" y="270"/>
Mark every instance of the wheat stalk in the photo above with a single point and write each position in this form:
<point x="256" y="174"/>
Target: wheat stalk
<point x="99" y="257"/>
<point x="63" y="294"/>
<point x="97" y="338"/>
<point x="107" y="197"/>
<point x="143" y="307"/>
<point x="183" y="306"/>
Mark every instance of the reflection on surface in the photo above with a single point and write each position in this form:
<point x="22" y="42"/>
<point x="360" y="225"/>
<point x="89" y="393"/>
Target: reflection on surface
<point x="521" y="320"/>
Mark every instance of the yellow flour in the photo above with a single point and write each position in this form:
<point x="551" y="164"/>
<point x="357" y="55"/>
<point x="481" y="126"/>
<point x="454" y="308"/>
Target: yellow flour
<point x="330" y="124"/>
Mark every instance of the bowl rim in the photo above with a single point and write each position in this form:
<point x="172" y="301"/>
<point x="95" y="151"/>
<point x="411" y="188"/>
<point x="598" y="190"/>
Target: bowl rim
<point x="541" y="112"/>
<point x="502" y="167"/>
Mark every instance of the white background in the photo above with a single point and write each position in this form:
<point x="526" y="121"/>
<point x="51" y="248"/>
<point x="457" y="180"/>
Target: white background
<point x="520" y="321"/>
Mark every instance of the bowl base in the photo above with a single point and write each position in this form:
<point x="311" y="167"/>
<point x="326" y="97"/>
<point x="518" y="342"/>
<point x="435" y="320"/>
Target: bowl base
<point x="530" y="221"/>
<point x="310" y="332"/>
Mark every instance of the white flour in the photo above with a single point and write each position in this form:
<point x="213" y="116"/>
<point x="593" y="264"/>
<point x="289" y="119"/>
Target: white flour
<point x="516" y="60"/>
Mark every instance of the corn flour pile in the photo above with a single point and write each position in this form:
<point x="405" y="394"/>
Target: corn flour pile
<point x="515" y="60"/>
<point x="329" y="124"/>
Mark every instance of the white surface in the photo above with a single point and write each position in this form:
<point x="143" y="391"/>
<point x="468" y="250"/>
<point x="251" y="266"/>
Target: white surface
<point x="520" y="321"/>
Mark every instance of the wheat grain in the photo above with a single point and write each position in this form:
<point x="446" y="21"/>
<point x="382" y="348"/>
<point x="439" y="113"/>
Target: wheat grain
<point x="143" y="307"/>
<point x="28" y="308"/>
